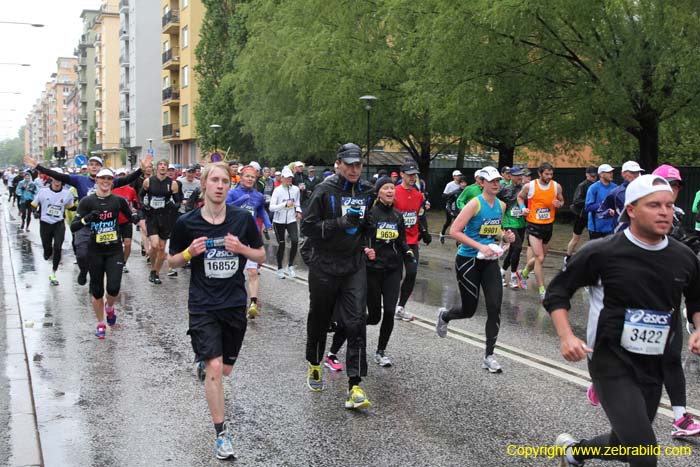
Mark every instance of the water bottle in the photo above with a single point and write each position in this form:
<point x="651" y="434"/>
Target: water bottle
<point x="355" y="208"/>
<point x="214" y="242"/>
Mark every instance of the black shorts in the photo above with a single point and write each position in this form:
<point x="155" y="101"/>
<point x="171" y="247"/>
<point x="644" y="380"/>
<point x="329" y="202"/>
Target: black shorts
<point x="218" y="333"/>
<point x="580" y="223"/>
<point x="126" y="230"/>
<point x="541" y="231"/>
<point x="159" y="223"/>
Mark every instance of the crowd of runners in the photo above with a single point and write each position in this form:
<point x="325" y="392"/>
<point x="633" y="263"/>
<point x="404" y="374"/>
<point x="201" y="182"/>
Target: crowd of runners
<point x="360" y="240"/>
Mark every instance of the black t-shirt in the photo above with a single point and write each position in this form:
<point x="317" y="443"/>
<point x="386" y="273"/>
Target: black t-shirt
<point x="633" y="287"/>
<point x="217" y="280"/>
<point x="104" y="233"/>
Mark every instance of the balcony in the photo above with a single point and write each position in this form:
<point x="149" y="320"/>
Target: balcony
<point x="171" y="131"/>
<point x="123" y="5"/>
<point x="124" y="59"/>
<point x="98" y="38"/>
<point x="171" y="22"/>
<point x="82" y="134"/>
<point x="97" y="147"/>
<point x="124" y="33"/>
<point x="171" y="58"/>
<point x="98" y="104"/>
<point x="124" y="87"/>
<point x="83" y="115"/>
<point x="125" y="142"/>
<point x="124" y="114"/>
<point x="82" y="61"/>
<point x="171" y="96"/>
<point x="98" y="85"/>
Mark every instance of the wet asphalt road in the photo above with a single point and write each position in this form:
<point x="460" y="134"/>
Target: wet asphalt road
<point x="133" y="400"/>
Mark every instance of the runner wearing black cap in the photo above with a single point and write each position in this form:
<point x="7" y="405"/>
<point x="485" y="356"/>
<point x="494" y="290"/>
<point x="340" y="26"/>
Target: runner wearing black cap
<point x="577" y="207"/>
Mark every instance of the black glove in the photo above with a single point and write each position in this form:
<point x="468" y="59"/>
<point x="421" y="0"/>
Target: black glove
<point x="427" y="238"/>
<point x="349" y="221"/>
<point x="410" y="256"/>
<point x="37" y="213"/>
<point x="91" y="217"/>
<point x="135" y="218"/>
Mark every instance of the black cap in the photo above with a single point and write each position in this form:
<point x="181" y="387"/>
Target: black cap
<point x="381" y="182"/>
<point x="592" y="170"/>
<point x="232" y="163"/>
<point x="190" y="169"/>
<point x="349" y="153"/>
<point x="409" y="168"/>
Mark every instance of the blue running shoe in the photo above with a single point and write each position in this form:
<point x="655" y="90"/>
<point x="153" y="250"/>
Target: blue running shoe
<point x="224" y="444"/>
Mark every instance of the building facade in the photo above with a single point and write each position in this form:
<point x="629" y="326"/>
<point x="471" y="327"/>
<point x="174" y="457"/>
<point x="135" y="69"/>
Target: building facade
<point x="63" y="83"/>
<point x="85" y="53"/>
<point x="72" y="124"/>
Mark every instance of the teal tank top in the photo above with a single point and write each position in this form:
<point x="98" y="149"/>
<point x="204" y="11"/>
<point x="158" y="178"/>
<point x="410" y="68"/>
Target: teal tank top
<point x="483" y="227"/>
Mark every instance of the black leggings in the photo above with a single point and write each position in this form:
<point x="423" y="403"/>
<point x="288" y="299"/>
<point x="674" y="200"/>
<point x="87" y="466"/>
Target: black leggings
<point x="630" y="408"/>
<point x="25" y="209"/>
<point x="52" y="236"/>
<point x="409" y="280"/>
<point x="293" y="231"/>
<point x="473" y="273"/>
<point x="448" y="220"/>
<point x="109" y="264"/>
<point x="512" y="258"/>
<point x="674" y="377"/>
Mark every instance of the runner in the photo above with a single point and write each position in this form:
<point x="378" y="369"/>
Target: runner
<point x="600" y="219"/>
<point x="543" y="196"/>
<point x="245" y="196"/>
<point x="285" y="205"/>
<point x="636" y="278"/>
<point x="454" y="187"/>
<point x="471" y="191"/>
<point x="216" y="238"/>
<point x="137" y="185"/>
<point x="337" y="274"/>
<point x="99" y="212"/>
<point x="578" y="208"/>
<point x="126" y="228"/>
<point x="52" y="201"/>
<point x="25" y="191"/>
<point x="160" y="190"/>
<point x="616" y="199"/>
<point x="477" y="228"/>
<point x="513" y="220"/>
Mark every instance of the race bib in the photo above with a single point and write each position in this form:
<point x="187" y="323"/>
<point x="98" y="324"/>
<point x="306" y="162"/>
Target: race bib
<point x="187" y="194"/>
<point x="360" y="203"/>
<point x="105" y="237"/>
<point x="490" y="227"/>
<point x="646" y="331"/>
<point x="516" y="212"/>
<point x="409" y="218"/>
<point x="543" y="214"/>
<point x="250" y="209"/>
<point x="157" y="202"/>
<point x="220" y="264"/>
<point x="387" y="231"/>
<point x="54" y="211"/>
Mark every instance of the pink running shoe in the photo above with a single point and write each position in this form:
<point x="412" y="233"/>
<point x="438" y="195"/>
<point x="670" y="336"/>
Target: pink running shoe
<point x="111" y="315"/>
<point x="685" y="426"/>
<point x="592" y="396"/>
<point x="332" y="362"/>
<point x="101" y="330"/>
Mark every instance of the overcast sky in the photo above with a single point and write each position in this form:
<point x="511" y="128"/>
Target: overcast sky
<point x="39" y="47"/>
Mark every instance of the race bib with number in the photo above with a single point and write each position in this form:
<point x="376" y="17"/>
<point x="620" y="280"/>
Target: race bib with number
<point x="490" y="227"/>
<point x="250" y="209"/>
<point x="646" y="331"/>
<point x="105" y="237"/>
<point x="516" y="212"/>
<point x="54" y="211"/>
<point x="360" y="203"/>
<point x="220" y="263"/>
<point x="410" y="218"/>
<point x="387" y="231"/>
<point x="543" y="214"/>
<point x="187" y="193"/>
<point x="157" y="202"/>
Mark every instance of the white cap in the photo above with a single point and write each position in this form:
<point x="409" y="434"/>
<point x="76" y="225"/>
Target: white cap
<point x="255" y="164"/>
<point x="120" y="171"/>
<point x="298" y="164"/>
<point x="477" y="172"/>
<point x="172" y="166"/>
<point x="278" y="173"/>
<point x="96" y="159"/>
<point x="489" y="173"/>
<point x="84" y="166"/>
<point x="641" y="187"/>
<point x="456" y="172"/>
<point x="605" y="168"/>
<point x="57" y="169"/>
<point x="286" y="172"/>
<point x="105" y="173"/>
<point x="631" y="166"/>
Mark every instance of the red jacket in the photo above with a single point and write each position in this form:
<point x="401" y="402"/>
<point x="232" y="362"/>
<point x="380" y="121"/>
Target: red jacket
<point x="129" y="194"/>
<point x="410" y="204"/>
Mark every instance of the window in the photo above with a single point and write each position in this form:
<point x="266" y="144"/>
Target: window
<point x="65" y="64"/>
<point x="166" y="82"/>
<point x="185" y="3"/>
<point x="185" y="76"/>
<point x="166" y="46"/>
<point x="185" y="117"/>
<point x="185" y="37"/>
<point x="166" y="118"/>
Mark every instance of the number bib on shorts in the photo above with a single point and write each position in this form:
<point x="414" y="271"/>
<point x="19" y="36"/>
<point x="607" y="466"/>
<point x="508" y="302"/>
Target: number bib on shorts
<point x="54" y="211"/>
<point x="387" y="231"/>
<point x="220" y="263"/>
<point x="543" y="214"/>
<point x="490" y="228"/>
<point x="646" y="331"/>
<point x="409" y="218"/>
<point x="157" y="202"/>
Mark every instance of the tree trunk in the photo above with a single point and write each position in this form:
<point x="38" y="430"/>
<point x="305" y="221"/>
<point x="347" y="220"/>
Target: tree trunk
<point x="648" y="138"/>
<point x="505" y="156"/>
<point x="424" y="161"/>
<point x="461" y="149"/>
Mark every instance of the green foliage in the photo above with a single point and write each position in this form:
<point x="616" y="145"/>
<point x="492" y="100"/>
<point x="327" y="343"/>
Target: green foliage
<point x="12" y="151"/>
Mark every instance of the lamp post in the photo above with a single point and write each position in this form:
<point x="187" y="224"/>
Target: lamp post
<point x="368" y="101"/>
<point x="34" y="25"/>
<point x="216" y="129"/>
<point x="15" y="63"/>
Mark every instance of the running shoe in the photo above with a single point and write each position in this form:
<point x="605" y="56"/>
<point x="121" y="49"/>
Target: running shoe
<point x="522" y="283"/>
<point x="172" y="273"/>
<point x="563" y="442"/>
<point x="525" y="274"/>
<point x="201" y="369"/>
<point x="82" y="278"/>
<point x="690" y="327"/>
<point x="503" y="279"/>
<point x="357" y="399"/>
<point x="441" y="324"/>
<point x="111" y="315"/>
<point x="401" y="314"/>
<point x="492" y="365"/>
<point x="266" y="234"/>
<point x="442" y="239"/>
<point x="382" y="360"/>
<point x="291" y="272"/>
<point x="331" y="361"/>
<point x="685" y="426"/>
<point x="252" y="310"/>
<point x="101" y="331"/>
<point x="154" y="278"/>
<point x="224" y="444"/>
<point x="53" y="280"/>
<point x="592" y="396"/>
<point x="125" y="270"/>
<point x="143" y="252"/>
<point x="514" y="282"/>
<point x="280" y="274"/>
<point x="314" y="378"/>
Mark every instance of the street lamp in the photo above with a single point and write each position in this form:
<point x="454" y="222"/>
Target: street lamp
<point x="15" y="63"/>
<point x="34" y="25"/>
<point x="216" y="129"/>
<point x="368" y="101"/>
<point x="16" y="93"/>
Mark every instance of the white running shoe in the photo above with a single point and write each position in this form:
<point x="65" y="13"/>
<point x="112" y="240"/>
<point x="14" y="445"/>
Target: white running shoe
<point x="441" y="325"/>
<point x="401" y="314"/>
<point x="291" y="272"/>
<point x="280" y="274"/>
<point x="563" y="441"/>
<point x="492" y="365"/>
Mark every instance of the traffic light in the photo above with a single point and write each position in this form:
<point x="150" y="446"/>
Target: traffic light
<point x="55" y="152"/>
<point x="132" y="158"/>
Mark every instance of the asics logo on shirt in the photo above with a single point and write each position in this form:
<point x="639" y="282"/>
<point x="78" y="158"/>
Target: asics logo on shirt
<point x="214" y="253"/>
<point x="649" y="318"/>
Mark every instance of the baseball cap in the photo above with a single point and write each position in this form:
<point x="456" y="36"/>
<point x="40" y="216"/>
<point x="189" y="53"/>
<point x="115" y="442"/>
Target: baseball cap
<point x="96" y="159"/>
<point x="255" y="165"/>
<point x="505" y="169"/>
<point x="287" y="173"/>
<point x="409" y="168"/>
<point x="349" y="153"/>
<point x="172" y="167"/>
<point x="640" y="187"/>
<point x="631" y="166"/>
<point x="526" y="172"/>
<point x="298" y="164"/>
<point x="58" y="169"/>
<point x="516" y="171"/>
<point x="190" y="169"/>
<point x="84" y="166"/>
<point x="592" y="170"/>
<point x="604" y="168"/>
<point x="668" y="172"/>
<point x="278" y="173"/>
<point x="456" y="172"/>
<point x="120" y="171"/>
<point x="248" y="167"/>
<point x="311" y="168"/>
<point x="105" y="173"/>
<point x="394" y="174"/>
<point x="489" y="173"/>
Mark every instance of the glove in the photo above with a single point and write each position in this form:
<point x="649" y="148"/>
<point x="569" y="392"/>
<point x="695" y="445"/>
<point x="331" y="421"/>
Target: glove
<point x="349" y="221"/>
<point x="37" y="213"/>
<point x="135" y="218"/>
<point x="411" y="256"/>
<point x="91" y="217"/>
<point x="427" y="238"/>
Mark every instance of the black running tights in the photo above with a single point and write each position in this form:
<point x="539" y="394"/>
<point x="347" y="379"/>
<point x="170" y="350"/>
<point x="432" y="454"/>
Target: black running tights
<point x="52" y="236"/>
<point x="280" y="230"/>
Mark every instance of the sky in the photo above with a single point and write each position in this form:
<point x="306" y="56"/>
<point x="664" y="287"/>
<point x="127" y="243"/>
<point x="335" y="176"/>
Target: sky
<point x="39" y="47"/>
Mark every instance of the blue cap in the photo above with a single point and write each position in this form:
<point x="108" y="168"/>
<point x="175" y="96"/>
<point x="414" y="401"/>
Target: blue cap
<point x="515" y="171"/>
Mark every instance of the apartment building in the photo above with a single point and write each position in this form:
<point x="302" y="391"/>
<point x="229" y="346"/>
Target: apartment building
<point x="72" y="123"/>
<point x="85" y="53"/>
<point x="63" y="83"/>
<point x="139" y="86"/>
<point x="181" y="23"/>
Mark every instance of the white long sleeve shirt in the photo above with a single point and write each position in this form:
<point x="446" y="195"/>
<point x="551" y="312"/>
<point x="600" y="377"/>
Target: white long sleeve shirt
<point x="278" y="204"/>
